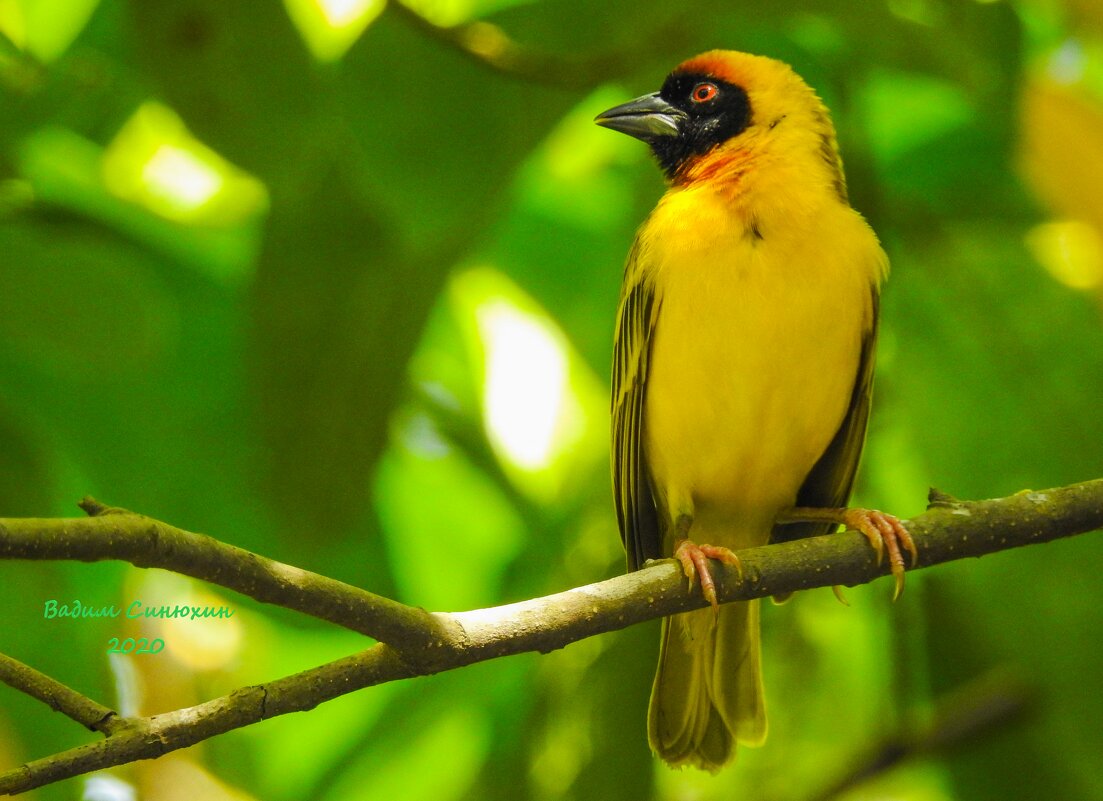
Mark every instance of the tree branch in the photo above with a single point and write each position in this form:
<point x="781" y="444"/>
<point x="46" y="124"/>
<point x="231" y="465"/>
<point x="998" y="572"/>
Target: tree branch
<point x="960" y="717"/>
<point x="57" y="696"/>
<point x="489" y="45"/>
<point x="422" y="643"/>
<point x="113" y="533"/>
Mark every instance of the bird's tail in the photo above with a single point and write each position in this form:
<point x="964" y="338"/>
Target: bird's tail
<point x="708" y="687"/>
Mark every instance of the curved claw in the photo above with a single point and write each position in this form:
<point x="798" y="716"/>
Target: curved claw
<point x="693" y="559"/>
<point x="885" y="532"/>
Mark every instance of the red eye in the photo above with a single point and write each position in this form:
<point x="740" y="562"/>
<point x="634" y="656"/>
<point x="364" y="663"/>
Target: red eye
<point x="704" y="92"/>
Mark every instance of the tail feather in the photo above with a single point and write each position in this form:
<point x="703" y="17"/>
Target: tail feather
<point x="708" y="687"/>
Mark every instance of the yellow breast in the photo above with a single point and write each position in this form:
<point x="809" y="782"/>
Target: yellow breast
<point x="754" y="356"/>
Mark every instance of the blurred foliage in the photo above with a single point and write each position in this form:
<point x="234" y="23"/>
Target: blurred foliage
<point x="327" y="281"/>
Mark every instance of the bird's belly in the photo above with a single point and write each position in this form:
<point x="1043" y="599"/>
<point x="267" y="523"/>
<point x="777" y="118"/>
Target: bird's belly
<point x="750" y="380"/>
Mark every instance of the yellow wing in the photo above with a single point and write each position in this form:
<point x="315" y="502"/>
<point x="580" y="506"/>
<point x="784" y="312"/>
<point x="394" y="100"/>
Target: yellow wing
<point x="636" y="511"/>
<point x="829" y="482"/>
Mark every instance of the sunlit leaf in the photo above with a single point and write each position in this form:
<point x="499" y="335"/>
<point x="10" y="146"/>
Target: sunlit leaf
<point x="1071" y="251"/>
<point x="329" y="27"/>
<point x="154" y="161"/>
<point x="1062" y="155"/>
<point x="540" y="404"/>
<point x="45" y="28"/>
<point x="64" y="170"/>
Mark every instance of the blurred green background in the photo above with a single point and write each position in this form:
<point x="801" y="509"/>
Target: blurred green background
<point x="335" y="281"/>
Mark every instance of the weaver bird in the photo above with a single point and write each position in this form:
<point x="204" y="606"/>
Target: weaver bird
<point x="742" y="369"/>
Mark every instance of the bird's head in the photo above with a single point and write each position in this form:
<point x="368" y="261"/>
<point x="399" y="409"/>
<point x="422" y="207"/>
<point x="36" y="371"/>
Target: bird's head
<point x="726" y="116"/>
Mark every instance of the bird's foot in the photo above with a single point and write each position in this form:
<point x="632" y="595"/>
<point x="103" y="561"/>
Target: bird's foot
<point x="693" y="558"/>
<point x="886" y="534"/>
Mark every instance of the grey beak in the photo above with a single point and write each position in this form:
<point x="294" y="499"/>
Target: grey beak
<point x="647" y="118"/>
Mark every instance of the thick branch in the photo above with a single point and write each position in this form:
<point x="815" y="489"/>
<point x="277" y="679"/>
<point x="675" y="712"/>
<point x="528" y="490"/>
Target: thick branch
<point x="949" y="530"/>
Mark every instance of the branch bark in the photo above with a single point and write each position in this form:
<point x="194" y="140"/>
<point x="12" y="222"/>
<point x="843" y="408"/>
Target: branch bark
<point x="112" y="533"/>
<point x="489" y="45"/>
<point x="88" y="713"/>
<point x="415" y="642"/>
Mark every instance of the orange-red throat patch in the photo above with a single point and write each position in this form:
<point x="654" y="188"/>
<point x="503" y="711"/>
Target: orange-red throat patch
<point x="721" y="165"/>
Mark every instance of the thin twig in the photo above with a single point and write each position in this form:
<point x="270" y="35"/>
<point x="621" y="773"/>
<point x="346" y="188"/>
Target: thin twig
<point x="962" y="717"/>
<point x="57" y="696"/>
<point x="113" y="533"/>
<point x="489" y="45"/>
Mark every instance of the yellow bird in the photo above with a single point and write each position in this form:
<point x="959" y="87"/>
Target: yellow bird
<point x="742" y="369"/>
